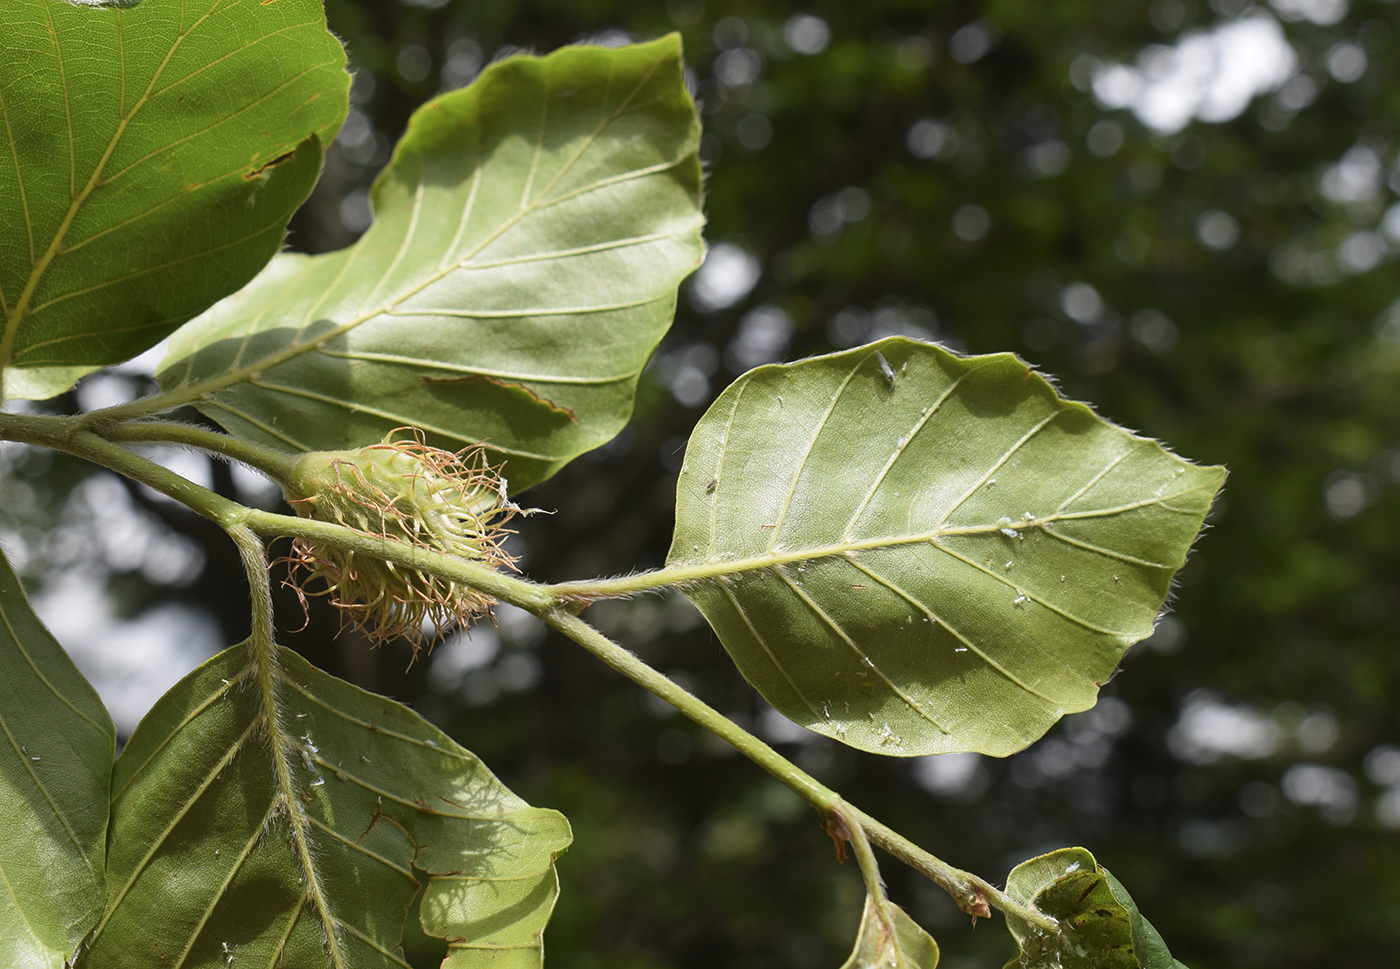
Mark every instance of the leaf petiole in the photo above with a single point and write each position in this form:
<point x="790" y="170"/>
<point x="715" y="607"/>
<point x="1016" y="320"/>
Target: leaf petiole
<point x="974" y="895"/>
<point x="556" y="605"/>
<point x="869" y="868"/>
<point x="277" y="465"/>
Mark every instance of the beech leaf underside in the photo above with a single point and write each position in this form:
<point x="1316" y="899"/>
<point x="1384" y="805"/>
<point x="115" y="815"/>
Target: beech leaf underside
<point x="916" y="552"/>
<point x="905" y="945"/>
<point x="55" y="767"/>
<point x="529" y="236"/>
<point x="149" y="161"/>
<point x="1100" y="925"/>
<point x="205" y="863"/>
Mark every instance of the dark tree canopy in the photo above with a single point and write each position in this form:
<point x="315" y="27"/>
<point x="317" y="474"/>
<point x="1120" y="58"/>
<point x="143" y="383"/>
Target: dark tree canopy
<point x="947" y="171"/>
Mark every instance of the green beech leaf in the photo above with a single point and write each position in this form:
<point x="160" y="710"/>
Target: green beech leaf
<point x="917" y="552"/>
<point x="529" y="236"/>
<point x="54" y="777"/>
<point x="213" y="863"/>
<point x="1101" y="927"/>
<point x="149" y="161"/>
<point x="903" y="945"/>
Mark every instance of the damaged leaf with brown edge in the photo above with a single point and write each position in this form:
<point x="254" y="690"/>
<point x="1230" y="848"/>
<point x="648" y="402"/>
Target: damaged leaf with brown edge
<point x="529" y="235"/>
<point x="1100" y="925"/>
<point x="207" y="868"/>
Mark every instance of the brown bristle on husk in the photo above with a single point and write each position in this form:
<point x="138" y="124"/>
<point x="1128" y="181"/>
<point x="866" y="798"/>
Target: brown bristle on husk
<point x="406" y="491"/>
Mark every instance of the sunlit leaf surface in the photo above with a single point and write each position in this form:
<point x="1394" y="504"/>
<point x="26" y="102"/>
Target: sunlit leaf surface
<point x="206" y="863"/>
<point x="529" y="236"/>
<point x="916" y="552"/>
<point x="149" y="161"/>
<point x="1101" y="927"/>
<point x="881" y="946"/>
<point x="55" y="763"/>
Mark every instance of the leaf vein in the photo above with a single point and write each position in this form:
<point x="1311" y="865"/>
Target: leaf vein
<point x="19" y="909"/>
<point x="98" y="336"/>
<point x="899" y="450"/>
<point x="366" y="725"/>
<point x="228" y="880"/>
<point x="468" y="207"/>
<point x="356" y="846"/>
<point x="806" y="454"/>
<point x="286" y="936"/>
<point x="602" y="183"/>
<point x="115" y="902"/>
<point x="539" y="378"/>
<point x="152" y="95"/>
<point x="67" y="104"/>
<point x="414" y="213"/>
<point x="19" y="174"/>
<point x="188" y="257"/>
<point x="474" y="314"/>
<point x="763" y="644"/>
<point x="29" y="661"/>
<point x="397" y="960"/>
<point x="606" y="246"/>
<point x="1106" y="552"/>
<point x="28" y="766"/>
<point x="593" y="135"/>
<point x="1034" y="597"/>
<point x="1098" y="476"/>
<point x="1006" y="456"/>
<point x="402" y="419"/>
<point x="865" y="659"/>
<point x="260" y="425"/>
<point x="713" y="495"/>
<point x="937" y="617"/>
<point x="189" y="717"/>
<point x="344" y="775"/>
<point x="539" y="150"/>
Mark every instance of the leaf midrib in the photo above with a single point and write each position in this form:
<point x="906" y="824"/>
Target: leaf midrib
<point x="175" y="398"/>
<point x="28" y="762"/>
<point x="777" y="562"/>
<point x="22" y="912"/>
<point x="17" y="313"/>
<point x="717" y="567"/>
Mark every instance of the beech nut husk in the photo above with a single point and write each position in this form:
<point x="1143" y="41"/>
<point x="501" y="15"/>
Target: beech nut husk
<point x="403" y="490"/>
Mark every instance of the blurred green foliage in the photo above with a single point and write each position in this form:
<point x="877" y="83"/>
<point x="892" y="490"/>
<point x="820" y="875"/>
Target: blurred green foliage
<point x="945" y="170"/>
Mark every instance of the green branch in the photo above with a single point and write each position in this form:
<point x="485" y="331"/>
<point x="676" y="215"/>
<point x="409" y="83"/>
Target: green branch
<point x="518" y="592"/>
<point x="972" y="894"/>
<point x="68" y="434"/>
<point x="625" y="662"/>
<point x="869" y="869"/>
<point x="556" y="605"/>
<point x="277" y="465"/>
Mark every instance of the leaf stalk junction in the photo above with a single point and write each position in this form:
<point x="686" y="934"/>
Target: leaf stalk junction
<point x="102" y="442"/>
